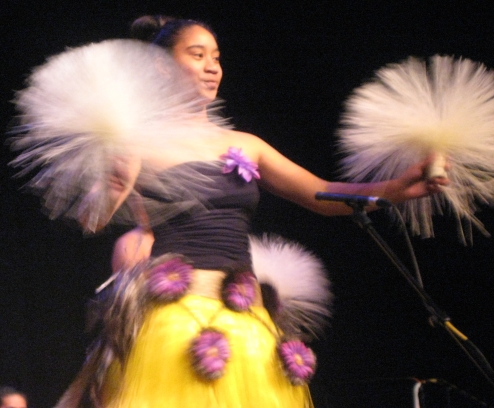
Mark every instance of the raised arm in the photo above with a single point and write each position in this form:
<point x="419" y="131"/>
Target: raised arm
<point x="286" y="179"/>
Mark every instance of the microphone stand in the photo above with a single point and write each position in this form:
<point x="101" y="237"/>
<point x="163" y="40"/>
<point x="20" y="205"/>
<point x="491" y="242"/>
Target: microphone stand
<point x="437" y="316"/>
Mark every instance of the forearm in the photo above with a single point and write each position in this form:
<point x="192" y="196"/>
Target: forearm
<point x="284" y="178"/>
<point x="301" y="188"/>
<point x="388" y="190"/>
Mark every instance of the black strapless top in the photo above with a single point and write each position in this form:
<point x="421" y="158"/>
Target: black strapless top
<point x="213" y="236"/>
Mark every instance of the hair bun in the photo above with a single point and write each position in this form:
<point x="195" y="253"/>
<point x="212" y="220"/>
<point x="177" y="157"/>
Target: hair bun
<point x="146" y="28"/>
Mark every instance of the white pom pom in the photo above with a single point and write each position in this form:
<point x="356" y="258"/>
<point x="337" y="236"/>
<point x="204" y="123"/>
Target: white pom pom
<point x="299" y="278"/>
<point x="88" y="106"/>
<point x="412" y="110"/>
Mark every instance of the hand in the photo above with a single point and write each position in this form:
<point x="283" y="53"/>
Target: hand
<point x="415" y="183"/>
<point x="93" y="211"/>
<point x="122" y="176"/>
<point x="107" y="195"/>
<point x="131" y="248"/>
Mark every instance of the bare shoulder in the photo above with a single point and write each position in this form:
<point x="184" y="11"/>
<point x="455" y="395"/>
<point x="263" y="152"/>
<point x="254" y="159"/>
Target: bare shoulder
<point x="250" y="144"/>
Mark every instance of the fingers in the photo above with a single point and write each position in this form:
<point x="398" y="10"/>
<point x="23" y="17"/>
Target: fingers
<point x="435" y="185"/>
<point x="119" y="175"/>
<point x="437" y="166"/>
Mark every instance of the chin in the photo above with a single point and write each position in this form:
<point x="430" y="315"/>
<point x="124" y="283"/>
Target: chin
<point x="208" y="98"/>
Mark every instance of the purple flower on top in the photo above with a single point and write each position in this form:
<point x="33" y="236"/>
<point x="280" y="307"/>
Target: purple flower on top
<point x="239" y="292"/>
<point x="170" y="280"/>
<point x="234" y="158"/>
<point x="298" y="360"/>
<point x="210" y="351"/>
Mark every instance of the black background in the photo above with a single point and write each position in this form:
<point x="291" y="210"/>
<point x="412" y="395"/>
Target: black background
<point x="288" y="67"/>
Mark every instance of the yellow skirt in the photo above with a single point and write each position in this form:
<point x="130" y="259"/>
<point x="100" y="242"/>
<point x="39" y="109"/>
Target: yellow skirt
<point x="158" y="372"/>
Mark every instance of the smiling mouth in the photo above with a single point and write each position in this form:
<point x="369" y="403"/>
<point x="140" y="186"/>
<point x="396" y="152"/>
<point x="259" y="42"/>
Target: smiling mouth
<point x="210" y="84"/>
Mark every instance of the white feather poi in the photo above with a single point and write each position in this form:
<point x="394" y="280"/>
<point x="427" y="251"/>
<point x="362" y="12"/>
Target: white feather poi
<point x="414" y="109"/>
<point x="300" y="280"/>
<point x="91" y="105"/>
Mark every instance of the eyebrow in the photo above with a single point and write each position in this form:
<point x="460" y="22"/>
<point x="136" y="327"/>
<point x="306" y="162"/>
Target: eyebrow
<point x="201" y="46"/>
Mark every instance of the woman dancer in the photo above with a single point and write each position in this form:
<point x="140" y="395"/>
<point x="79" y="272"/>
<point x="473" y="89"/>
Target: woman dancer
<point x="188" y="327"/>
<point x="258" y="380"/>
<point x="203" y="65"/>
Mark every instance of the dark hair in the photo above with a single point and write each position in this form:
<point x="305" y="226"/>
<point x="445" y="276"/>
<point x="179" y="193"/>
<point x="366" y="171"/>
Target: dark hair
<point x="5" y="391"/>
<point x="163" y="30"/>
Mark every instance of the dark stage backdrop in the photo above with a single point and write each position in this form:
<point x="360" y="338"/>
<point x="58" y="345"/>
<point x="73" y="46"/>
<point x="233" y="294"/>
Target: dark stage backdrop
<point x="288" y="67"/>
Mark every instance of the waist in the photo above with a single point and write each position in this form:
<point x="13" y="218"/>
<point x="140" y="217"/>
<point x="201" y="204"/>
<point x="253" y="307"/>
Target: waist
<point x="210" y="283"/>
<point x="212" y="241"/>
<point x="171" y="276"/>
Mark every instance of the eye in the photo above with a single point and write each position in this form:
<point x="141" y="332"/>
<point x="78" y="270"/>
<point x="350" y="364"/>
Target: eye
<point x="198" y="55"/>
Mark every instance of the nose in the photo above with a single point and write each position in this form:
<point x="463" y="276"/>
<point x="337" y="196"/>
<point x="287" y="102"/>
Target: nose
<point x="212" y="66"/>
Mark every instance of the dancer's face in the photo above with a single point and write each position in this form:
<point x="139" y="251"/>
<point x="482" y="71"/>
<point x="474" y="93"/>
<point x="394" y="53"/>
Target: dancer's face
<point x="196" y="51"/>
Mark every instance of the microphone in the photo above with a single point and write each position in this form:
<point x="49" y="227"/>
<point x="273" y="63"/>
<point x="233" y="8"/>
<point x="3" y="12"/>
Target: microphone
<point x="354" y="199"/>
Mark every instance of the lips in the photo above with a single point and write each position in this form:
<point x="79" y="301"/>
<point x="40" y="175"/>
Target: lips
<point x="210" y="84"/>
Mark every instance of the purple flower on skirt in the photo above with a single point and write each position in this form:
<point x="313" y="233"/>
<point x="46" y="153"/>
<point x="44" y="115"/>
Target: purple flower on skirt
<point x="170" y="280"/>
<point x="246" y="167"/>
<point x="210" y="352"/>
<point x="239" y="292"/>
<point x="298" y="360"/>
